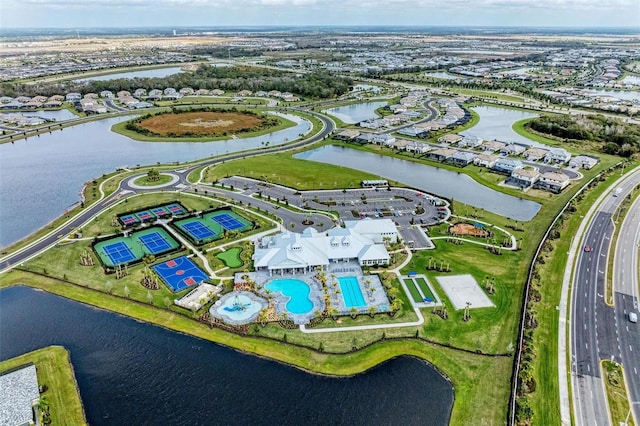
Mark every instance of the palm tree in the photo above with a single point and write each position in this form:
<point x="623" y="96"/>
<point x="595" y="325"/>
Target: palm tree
<point x="372" y="310"/>
<point x="353" y="312"/>
<point x="262" y="316"/>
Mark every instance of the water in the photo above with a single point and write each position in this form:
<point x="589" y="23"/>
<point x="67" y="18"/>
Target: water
<point x="427" y="178"/>
<point x="351" y="292"/>
<point x="620" y="94"/>
<point x="229" y="308"/>
<point x="366" y="87"/>
<point x="631" y="79"/>
<point x="297" y="290"/>
<point x="58" y="115"/>
<point x="440" y="74"/>
<point x="497" y="123"/>
<point x="133" y="373"/>
<point x="356" y="113"/>
<point x="44" y="175"/>
<point x="157" y="72"/>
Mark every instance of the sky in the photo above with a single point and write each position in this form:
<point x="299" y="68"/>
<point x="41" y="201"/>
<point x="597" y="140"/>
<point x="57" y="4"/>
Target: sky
<point x="210" y="13"/>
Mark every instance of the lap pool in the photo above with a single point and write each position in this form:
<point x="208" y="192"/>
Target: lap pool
<point x="297" y="291"/>
<point x="351" y="292"/>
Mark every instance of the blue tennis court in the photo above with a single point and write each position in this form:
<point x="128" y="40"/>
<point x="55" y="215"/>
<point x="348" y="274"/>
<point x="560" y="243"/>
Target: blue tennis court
<point x="129" y="220"/>
<point x="180" y="273"/>
<point x="119" y="253"/>
<point x="228" y="222"/>
<point x="351" y="292"/>
<point x="159" y="211"/>
<point x="175" y="209"/>
<point x="199" y="230"/>
<point x="154" y="242"/>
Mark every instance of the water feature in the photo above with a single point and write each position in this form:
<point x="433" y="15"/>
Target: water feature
<point x="442" y="75"/>
<point x="298" y="291"/>
<point x="497" y="123"/>
<point x="356" y="113"/>
<point x="351" y="292"/>
<point x="43" y="175"/>
<point x="239" y="307"/>
<point x="129" y="372"/>
<point x="366" y="87"/>
<point x="156" y="72"/>
<point x="57" y="115"/>
<point x="625" y="95"/>
<point x="631" y="79"/>
<point x="431" y="179"/>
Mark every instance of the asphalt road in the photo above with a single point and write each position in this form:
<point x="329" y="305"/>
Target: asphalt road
<point x="596" y="328"/>
<point x="125" y="190"/>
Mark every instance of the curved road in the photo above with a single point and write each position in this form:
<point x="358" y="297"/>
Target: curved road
<point x="123" y="191"/>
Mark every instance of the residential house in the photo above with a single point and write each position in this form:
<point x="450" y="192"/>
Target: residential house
<point x="348" y="134"/>
<point x="513" y="149"/>
<point x="442" y="154"/>
<point x="218" y="92"/>
<point x="383" y="139"/>
<point x="553" y="181"/>
<point x="492" y="146"/>
<point x="470" y="141"/>
<point x="91" y="96"/>
<point x="59" y="98"/>
<point x="186" y="91"/>
<point x="507" y="165"/>
<point x="172" y="96"/>
<point x="462" y="158"/>
<point x="139" y="93"/>
<point x="416" y="132"/>
<point x="401" y="144"/>
<point x="535" y="153"/>
<point x="583" y="161"/>
<point x="123" y="94"/>
<point x="52" y="104"/>
<point x="5" y="99"/>
<point x="244" y="93"/>
<point x="417" y="147"/>
<point x="364" y="138"/>
<point x="169" y="91"/>
<point x="558" y="156"/>
<point x="201" y="92"/>
<point x="486" y="160"/>
<point x="72" y="97"/>
<point x="154" y="95"/>
<point x="106" y="94"/>
<point x="450" y="139"/>
<point x="22" y="99"/>
<point x="524" y="178"/>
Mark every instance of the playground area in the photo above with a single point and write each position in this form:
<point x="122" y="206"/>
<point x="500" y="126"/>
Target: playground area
<point x="463" y="289"/>
<point x="150" y="214"/>
<point x="238" y="307"/>
<point x="124" y="250"/>
<point x="474" y="230"/>
<point x="180" y="273"/>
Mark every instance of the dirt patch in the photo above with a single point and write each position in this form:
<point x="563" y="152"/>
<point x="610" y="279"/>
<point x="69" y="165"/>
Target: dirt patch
<point x="203" y="123"/>
<point x="468" y="229"/>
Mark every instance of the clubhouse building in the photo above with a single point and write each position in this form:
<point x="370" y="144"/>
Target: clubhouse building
<point x="290" y="252"/>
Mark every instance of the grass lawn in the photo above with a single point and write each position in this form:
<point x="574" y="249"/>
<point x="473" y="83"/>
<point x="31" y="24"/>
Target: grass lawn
<point x="121" y="129"/>
<point x="613" y="377"/>
<point x="144" y="180"/>
<point x="54" y="370"/>
<point x="415" y="295"/>
<point x="424" y="287"/>
<point x="231" y="257"/>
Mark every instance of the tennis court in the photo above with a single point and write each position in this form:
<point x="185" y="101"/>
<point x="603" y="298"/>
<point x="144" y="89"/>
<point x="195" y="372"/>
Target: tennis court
<point x="129" y="220"/>
<point x="175" y="208"/>
<point x="180" y="273"/>
<point x="145" y="216"/>
<point x="119" y="253"/>
<point x="199" y="231"/>
<point x="230" y="221"/>
<point x="160" y="211"/>
<point x="154" y="242"/>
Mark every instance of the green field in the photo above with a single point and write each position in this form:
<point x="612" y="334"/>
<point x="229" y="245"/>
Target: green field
<point x="54" y="370"/>
<point x="231" y="257"/>
<point x="425" y="288"/>
<point x="415" y="295"/>
<point x="144" y="181"/>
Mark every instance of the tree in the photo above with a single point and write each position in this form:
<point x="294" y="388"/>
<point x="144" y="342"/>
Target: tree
<point x="372" y="311"/>
<point x="153" y="175"/>
<point x="353" y="312"/>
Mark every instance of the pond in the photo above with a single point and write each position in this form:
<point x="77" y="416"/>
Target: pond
<point x="355" y="113"/>
<point x="442" y="75"/>
<point x="430" y="179"/>
<point x="625" y="95"/>
<point x="497" y="123"/>
<point x="43" y="175"/>
<point x="130" y="373"/>
<point x="156" y="72"/>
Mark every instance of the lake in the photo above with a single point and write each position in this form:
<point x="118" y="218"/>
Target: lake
<point x="625" y="95"/>
<point x="431" y="179"/>
<point x="133" y="373"/>
<point x="155" y="72"/>
<point x="356" y="113"/>
<point x="497" y="123"/>
<point x="44" y="175"/>
<point x="57" y="115"/>
<point x="442" y="75"/>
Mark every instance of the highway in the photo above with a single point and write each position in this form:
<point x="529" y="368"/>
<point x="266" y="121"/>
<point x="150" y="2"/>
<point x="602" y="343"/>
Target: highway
<point x="86" y="214"/>
<point x="596" y="328"/>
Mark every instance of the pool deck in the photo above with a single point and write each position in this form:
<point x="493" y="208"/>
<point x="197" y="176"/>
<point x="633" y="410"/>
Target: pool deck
<point x="315" y="295"/>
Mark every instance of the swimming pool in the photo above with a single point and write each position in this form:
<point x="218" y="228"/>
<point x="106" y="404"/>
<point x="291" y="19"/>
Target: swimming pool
<point x="351" y="293"/>
<point x="298" y="292"/>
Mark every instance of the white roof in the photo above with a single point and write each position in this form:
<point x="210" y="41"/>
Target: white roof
<point x="18" y="392"/>
<point x="371" y="226"/>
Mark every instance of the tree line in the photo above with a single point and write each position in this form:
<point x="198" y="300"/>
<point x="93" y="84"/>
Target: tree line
<point x="318" y="84"/>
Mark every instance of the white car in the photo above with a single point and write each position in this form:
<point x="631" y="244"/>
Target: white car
<point x="633" y="317"/>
